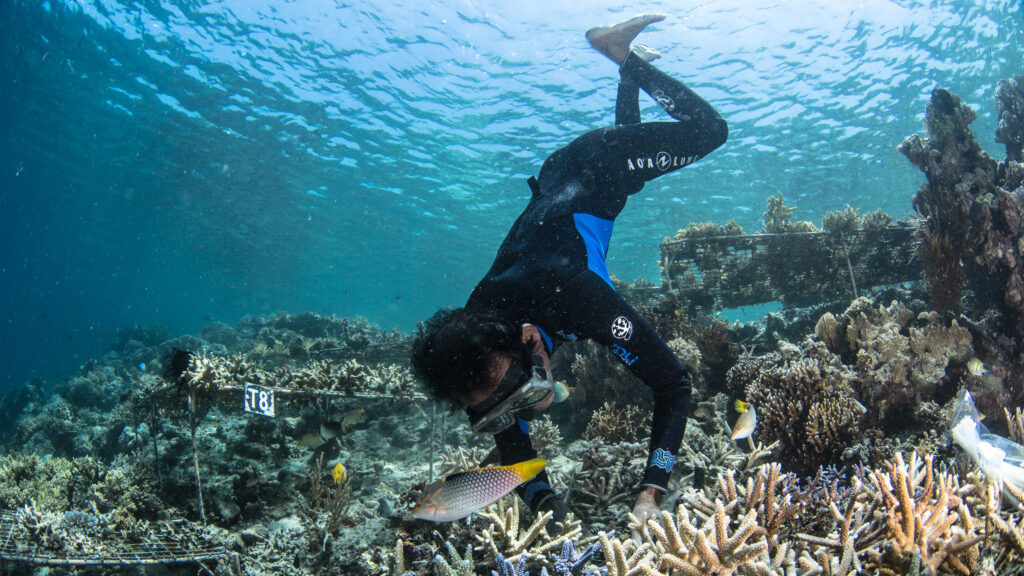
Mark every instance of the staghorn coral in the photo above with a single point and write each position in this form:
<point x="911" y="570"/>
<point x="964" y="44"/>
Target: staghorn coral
<point x="718" y="546"/>
<point x="606" y="476"/>
<point x="454" y="565"/>
<point x="1009" y="528"/>
<point x="613" y="423"/>
<point x="925" y="519"/>
<point x="459" y="459"/>
<point x="505" y="537"/>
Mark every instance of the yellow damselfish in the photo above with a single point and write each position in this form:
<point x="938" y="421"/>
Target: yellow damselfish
<point x="338" y="473"/>
<point x="458" y="495"/>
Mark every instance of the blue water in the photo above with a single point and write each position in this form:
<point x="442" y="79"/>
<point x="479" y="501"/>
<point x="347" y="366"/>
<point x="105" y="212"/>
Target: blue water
<point x="176" y="162"/>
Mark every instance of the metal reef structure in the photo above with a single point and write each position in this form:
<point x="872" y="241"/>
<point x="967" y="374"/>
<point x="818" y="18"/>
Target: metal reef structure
<point x="796" y="268"/>
<point x="164" y="546"/>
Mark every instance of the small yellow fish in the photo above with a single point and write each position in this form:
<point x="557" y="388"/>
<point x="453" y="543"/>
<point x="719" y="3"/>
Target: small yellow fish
<point x="561" y="392"/>
<point x="338" y="473"/>
<point x="976" y="367"/>
<point x="352" y="417"/>
<point x="458" y="495"/>
<point x="741" y="406"/>
<point x="745" y="424"/>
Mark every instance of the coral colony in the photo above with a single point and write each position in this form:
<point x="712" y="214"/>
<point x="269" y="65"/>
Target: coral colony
<point x="299" y="444"/>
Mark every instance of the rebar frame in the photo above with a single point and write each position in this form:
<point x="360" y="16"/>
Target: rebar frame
<point x="794" y="268"/>
<point x="164" y="546"/>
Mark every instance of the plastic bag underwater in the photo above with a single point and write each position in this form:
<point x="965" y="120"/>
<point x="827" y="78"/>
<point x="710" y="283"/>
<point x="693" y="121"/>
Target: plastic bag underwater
<point x="998" y="457"/>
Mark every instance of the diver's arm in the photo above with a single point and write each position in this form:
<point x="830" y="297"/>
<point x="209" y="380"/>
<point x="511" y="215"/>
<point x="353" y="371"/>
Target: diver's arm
<point x="514" y="446"/>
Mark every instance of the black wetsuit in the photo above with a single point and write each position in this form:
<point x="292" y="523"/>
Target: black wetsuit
<point x="550" y="270"/>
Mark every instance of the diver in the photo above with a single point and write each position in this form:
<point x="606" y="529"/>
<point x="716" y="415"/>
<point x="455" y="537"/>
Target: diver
<point x="549" y="282"/>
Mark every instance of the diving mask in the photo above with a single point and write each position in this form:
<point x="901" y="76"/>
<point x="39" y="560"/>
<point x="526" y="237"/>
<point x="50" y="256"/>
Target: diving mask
<point x="519" y="390"/>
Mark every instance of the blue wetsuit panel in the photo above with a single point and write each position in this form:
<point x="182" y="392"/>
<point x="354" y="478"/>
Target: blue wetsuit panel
<point x="597" y="234"/>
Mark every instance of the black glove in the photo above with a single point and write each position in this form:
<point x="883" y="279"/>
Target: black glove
<point x="558" y="511"/>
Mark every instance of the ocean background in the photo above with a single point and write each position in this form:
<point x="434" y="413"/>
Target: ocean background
<point x="176" y="163"/>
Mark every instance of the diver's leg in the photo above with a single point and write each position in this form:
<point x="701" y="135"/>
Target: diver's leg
<point x="679" y="101"/>
<point x="627" y="103"/>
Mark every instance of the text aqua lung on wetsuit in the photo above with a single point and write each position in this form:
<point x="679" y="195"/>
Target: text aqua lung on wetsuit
<point x="662" y="161"/>
<point x="626" y="356"/>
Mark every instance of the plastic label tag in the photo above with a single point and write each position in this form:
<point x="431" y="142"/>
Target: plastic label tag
<point x="259" y="400"/>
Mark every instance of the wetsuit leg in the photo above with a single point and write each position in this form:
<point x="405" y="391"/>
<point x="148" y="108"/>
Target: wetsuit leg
<point x="590" y="308"/>
<point x="627" y="102"/>
<point x="612" y="163"/>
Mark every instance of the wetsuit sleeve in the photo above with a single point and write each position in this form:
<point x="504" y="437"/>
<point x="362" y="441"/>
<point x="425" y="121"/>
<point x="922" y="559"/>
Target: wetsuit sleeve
<point x="514" y="446"/>
<point x="594" y="310"/>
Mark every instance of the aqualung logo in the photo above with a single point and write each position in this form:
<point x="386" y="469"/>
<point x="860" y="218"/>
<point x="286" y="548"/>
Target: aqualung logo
<point x="622" y="328"/>
<point x="662" y="161"/>
<point x="664" y="100"/>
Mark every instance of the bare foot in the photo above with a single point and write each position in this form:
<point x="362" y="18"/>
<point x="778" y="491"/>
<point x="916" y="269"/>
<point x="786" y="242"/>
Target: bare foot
<point x="613" y="41"/>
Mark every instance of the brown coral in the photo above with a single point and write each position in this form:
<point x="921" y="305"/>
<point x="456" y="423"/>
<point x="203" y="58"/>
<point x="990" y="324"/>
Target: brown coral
<point x="805" y="402"/>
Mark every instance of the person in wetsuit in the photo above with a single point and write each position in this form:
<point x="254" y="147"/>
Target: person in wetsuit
<point x="549" y="282"/>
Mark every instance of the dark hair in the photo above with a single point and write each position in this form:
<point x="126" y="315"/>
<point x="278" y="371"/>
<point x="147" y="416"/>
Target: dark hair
<point x="453" y="351"/>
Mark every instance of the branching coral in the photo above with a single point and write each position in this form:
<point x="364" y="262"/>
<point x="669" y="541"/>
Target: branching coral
<point x="459" y="459"/>
<point x="328" y="507"/>
<point x="545" y="435"/>
<point x="805" y="402"/>
<point x="614" y="423"/>
<point x="925" y="517"/>
<point x="607" y="475"/>
<point x="504" y="536"/>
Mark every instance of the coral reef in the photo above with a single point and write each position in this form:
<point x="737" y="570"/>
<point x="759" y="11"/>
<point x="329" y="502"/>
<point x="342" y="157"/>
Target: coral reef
<point x="972" y="218"/>
<point x="1010" y="111"/>
<point x="613" y="423"/>
<point x="805" y="401"/>
<point x="902" y="357"/>
<point x="904" y="518"/>
<point x="778" y="218"/>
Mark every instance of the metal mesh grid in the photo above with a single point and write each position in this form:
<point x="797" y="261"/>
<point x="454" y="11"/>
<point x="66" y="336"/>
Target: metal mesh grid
<point x="797" y="269"/>
<point x="163" y="545"/>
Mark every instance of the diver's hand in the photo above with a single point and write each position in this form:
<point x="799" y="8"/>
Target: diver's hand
<point x="647" y="505"/>
<point x="558" y="511"/>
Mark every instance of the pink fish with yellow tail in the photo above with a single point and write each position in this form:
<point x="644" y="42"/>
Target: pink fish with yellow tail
<point x="746" y="423"/>
<point x="458" y="495"/>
